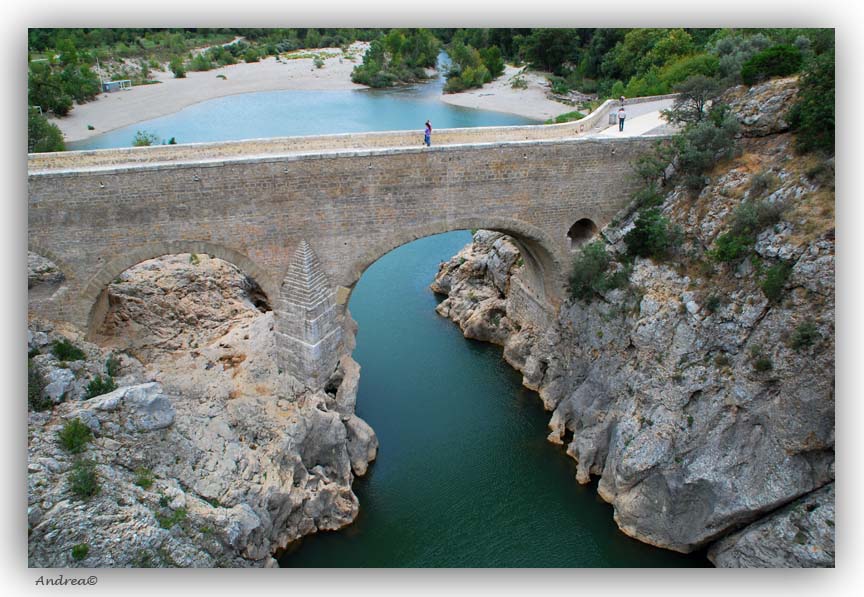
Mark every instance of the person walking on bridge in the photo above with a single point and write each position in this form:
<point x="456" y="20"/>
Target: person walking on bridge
<point x="622" y="114"/>
<point x="427" y="135"/>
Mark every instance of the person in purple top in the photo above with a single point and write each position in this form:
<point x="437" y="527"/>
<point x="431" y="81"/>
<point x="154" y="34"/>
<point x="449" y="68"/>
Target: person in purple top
<point x="427" y="135"/>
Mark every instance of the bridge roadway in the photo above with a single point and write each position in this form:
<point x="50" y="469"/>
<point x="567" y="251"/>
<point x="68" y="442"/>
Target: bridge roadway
<point x="305" y="216"/>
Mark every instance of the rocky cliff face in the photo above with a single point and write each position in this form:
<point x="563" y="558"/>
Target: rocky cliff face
<point x="202" y="454"/>
<point x="702" y="405"/>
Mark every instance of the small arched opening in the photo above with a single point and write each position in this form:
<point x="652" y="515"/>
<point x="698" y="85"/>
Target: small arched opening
<point x="581" y="232"/>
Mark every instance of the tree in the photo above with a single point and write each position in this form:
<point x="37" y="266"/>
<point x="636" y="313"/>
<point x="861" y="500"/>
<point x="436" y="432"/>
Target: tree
<point x="694" y="96"/>
<point x="551" y="49"/>
<point x="812" y="116"/>
<point x="42" y="135"/>
<point x="776" y="61"/>
<point x="176" y="66"/>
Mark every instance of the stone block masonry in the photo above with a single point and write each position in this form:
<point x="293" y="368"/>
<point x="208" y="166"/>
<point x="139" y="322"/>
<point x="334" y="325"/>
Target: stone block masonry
<point x="306" y="225"/>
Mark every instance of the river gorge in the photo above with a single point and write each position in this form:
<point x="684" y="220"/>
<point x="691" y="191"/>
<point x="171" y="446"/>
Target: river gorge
<point x="464" y="475"/>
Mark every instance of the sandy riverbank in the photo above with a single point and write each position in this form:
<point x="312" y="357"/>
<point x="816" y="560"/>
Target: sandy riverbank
<point x="115" y="110"/>
<point x="123" y="108"/>
<point x="500" y="96"/>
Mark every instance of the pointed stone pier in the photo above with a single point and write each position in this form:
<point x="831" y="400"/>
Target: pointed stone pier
<point x="308" y="329"/>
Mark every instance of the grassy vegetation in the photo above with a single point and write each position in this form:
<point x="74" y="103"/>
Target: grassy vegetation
<point x="567" y="117"/>
<point x="590" y="273"/>
<point x="100" y="385"/>
<point x="66" y="351"/>
<point x="143" y="478"/>
<point x="774" y="282"/>
<point x="83" y="479"/>
<point x="75" y="436"/>
<point x="80" y="551"/>
<point x="35" y="386"/>
<point x="805" y="335"/>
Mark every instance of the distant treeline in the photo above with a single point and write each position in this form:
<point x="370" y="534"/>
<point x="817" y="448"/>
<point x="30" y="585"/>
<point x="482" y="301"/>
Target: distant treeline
<point x="605" y="62"/>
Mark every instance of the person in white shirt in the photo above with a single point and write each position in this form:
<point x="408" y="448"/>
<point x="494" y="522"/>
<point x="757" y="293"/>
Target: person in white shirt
<point x="622" y="114"/>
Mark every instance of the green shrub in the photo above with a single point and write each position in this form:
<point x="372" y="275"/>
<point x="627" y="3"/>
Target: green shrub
<point x="176" y="67"/>
<point x="730" y="248"/>
<point x="519" y="83"/>
<point x="589" y="269"/>
<point x="66" y="351"/>
<point x="762" y="364"/>
<point x="42" y="135"/>
<point x="112" y="366"/>
<point x="763" y="183"/>
<point x="776" y="61"/>
<point x="812" y="116"/>
<point x="652" y="235"/>
<point x="748" y="219"/>
<point x="775" y="280"/>
<point x="751" y="217"/>
<point x="74" y="436"/>
<point x="805" y="335"/>
<point x="35" y="386"/>
<point x="712" y="303"/>
<point x="703" y="144"/>
<point x="99" y="385"/>
<point x="83" y="479"/>
<point x="80" y="551"/>
<point x="169" y="520"/>
<point x="144" y="139"/>
<point x="143" y="478"/>
<point x="567" y="117"/>
<point x="648" y="196"/>
<point x="200" y="63"/>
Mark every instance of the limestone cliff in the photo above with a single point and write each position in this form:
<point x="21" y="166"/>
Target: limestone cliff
<point x="203" y="456"/>
<point x="702" y="405"/>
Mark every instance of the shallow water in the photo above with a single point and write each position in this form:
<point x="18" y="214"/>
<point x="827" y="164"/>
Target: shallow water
<point x="288" y="113"/>
<point x="464" y="475"/>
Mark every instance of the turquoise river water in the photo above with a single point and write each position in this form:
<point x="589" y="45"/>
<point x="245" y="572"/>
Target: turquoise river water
<point x="464" y="475"/>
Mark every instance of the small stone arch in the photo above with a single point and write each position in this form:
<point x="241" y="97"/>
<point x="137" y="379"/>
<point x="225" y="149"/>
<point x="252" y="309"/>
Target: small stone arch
<point x="581" y="232"/>
<point x="93" y="301"/>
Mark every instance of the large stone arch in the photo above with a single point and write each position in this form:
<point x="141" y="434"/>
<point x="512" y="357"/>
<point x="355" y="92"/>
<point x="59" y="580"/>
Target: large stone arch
<point x="544" y="263"/>
<point x="92" y="301"/>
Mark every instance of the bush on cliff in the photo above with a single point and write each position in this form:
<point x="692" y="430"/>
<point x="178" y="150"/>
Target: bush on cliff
<point x="35" y="385"/>
<point x="705" y="143"/>
<point x="774" y="281"/>
<point x="100" y="385"/>
<point x="652" y="235"/>
<point x="590" y="273"/>
<point x="74" y="436"/>
<point x="812" y="116"/>
<point x="83" y="479"/>
<point x="64" y="350"/>
<point x="776" y="61"/>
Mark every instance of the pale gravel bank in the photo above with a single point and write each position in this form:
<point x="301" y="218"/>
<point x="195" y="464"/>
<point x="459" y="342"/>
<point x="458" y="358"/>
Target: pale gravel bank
<point x="116" y="110"/>
<point x="500" y="96"/>
<point x="111" y="111"/>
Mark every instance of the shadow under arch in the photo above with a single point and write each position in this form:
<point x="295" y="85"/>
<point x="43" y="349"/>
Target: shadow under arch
<point x="93" y="299"/>
<point x="543" y="264"/>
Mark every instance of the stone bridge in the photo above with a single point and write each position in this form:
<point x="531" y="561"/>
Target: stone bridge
<point x="305" y="216"/>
